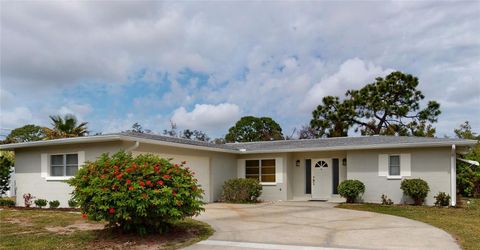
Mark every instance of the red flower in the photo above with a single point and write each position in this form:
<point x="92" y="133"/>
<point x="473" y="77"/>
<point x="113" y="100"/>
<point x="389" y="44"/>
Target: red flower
<point x="175" y="165"/>
<point x="119" y="177"/>
<point x="102" y="176"/>
<point x="84" y="216"/>
<point x="130" y="188"/>
<point x="128" y="181"/>
<point x="142" y="183"/>
<point x="134" y="166"/>
<point x="149" y="183"/>
<point x="166" y="177"/>
<point x="160" y="183"/>
<point x="194" y="188"/>
<point x="115" y="172"/>
<point x="111" y="210"/>
<point x="115" y="167"/>
<point x="174" y="193"/>
<point x="155" y="168"/>
<point x="128" y="170"/>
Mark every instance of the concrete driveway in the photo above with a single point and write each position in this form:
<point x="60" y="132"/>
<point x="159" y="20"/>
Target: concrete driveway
<point x="314" y="225"/>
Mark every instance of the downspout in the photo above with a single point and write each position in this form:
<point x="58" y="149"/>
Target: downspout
<point x="135" y="146"/>
<point x="453" y="175"/>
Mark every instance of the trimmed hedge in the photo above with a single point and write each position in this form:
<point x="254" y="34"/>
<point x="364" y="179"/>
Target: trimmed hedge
<point x="417" y="189"/>
<point x="351" y="189"/>
<point x="40" y="203"/>
<point x="7" y="202"/>
<point x="241" y="190"/>
<point x="54" y="204"/>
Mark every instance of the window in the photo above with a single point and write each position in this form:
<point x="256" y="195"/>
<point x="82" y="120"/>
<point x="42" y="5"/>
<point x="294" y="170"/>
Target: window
<point x="63" y="165"/>
<point x="263" y="170"/>
<point x="394" y="165"/>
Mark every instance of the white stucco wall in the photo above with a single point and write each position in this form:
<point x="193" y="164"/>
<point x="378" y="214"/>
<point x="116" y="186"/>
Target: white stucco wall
<point x="429" y="164"/>
<point x="28" y="170"/>
<point x="211" y="168"/>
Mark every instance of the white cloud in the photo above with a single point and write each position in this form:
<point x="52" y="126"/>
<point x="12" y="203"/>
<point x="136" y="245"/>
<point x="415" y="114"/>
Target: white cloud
<point x="17" y="117"/>
<point x="279" y="60"/>
<point x="353" y="73"/>
<point x="207" y="117"/>
<point x="79" y="110"/>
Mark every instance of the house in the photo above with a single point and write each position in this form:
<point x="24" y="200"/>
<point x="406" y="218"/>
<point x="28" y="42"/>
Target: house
<point x="288" y="170"/>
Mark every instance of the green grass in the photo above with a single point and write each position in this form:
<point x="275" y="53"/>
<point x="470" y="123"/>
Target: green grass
<point x="461" y="223"/>
<point x="42" y="229"/>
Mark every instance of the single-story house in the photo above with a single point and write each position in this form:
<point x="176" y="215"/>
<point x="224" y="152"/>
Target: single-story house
<point x="288" y="170"/>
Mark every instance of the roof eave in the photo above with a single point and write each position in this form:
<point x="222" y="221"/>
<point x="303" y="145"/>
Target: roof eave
<point x="73" y="140"/>
<point x="366" y="147"/>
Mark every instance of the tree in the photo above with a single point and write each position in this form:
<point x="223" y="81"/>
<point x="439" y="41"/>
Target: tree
<point x="389" y="106"/>
<point x="26" y="133"/>
<point x="6" y="164"/>
<point x="173" y="130"/>
<point x="65" y="127"/>
<point x="307" y="132"/>
<point x="468" y="176"/>
<point x="137" y="128"/>
<point x="250" y="128"/>
<point x="196" y="135"/>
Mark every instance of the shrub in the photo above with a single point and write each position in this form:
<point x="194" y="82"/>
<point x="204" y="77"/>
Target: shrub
<point x="417" y="189"/>
<point x="40" y="203"/>
<point x="7" y="202"/>
<point x="6" y="163"/>
<point x="241" y="190"/>
<point x="442" y="199"/>
<point x="386" y="200"/>
<point x="28" y="199"/>
<point x="72" y="203"/>
<point x="142" y="194"/>
<point x="54" y="204"/>
<point x="351" y="189"/>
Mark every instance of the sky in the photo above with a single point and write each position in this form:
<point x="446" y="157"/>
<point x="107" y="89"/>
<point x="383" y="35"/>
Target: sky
<point x="203" y="65"/>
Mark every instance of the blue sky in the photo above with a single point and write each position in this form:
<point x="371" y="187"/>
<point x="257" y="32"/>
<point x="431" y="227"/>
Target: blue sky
<point x="204" y="65"/>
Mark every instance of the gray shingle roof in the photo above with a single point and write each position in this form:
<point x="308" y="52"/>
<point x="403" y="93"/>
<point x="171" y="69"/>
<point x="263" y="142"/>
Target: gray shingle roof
<point x="347" y="143"/>
<point x="317" y="144"/>
<point x="339" y="143"/>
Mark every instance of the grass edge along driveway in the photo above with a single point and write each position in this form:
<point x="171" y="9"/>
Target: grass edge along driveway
<point x="47" y="229"/>
<point x="462" y="223"/>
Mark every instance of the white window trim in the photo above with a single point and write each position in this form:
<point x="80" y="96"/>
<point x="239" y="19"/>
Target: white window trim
<point x="399" y="176"/>
<point x="405" y="166"/>
<point x="259" y="174"/>
<point x="46" y="167"/>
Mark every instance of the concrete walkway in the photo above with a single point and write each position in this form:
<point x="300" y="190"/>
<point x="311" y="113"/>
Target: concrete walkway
<point x="314" y="225"/>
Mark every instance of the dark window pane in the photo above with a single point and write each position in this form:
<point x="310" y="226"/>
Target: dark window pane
<point x="57" y="171"/>
<point x="270" y="163"/>
<point x="394" y="160"/>
<point x="268" y="178"/>
<point x="72" y="159"/>
<point x="56" y="159"/>
<point x="268" y="170"/>
<point x="394" y="170"/>
<point x="72" y="170"/>
<point x="251" y="163"/>
<point x="252" y="171"/>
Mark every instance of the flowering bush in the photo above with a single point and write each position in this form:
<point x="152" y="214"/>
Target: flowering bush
<point x="143" y="193"/>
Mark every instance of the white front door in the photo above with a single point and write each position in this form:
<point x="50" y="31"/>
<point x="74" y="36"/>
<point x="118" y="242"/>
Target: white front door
<point x="321" y="179"/>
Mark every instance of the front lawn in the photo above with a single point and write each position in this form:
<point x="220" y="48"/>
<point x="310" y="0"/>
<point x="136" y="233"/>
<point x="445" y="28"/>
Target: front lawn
<point x="44" y="229"/>
<point x="462" y="223"/>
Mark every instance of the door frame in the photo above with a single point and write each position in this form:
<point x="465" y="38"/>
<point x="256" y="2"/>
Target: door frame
<point x="328" y="179"/>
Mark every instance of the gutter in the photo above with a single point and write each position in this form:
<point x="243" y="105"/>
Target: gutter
<point x="135" y="146"/>
<point x="453" y="175"/>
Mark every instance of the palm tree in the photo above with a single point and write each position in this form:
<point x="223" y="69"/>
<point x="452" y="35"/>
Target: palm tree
<point x="66" y="126"/>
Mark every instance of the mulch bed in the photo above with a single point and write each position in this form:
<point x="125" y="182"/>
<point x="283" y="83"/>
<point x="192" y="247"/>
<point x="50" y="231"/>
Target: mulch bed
<point x="66" y="209"/>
